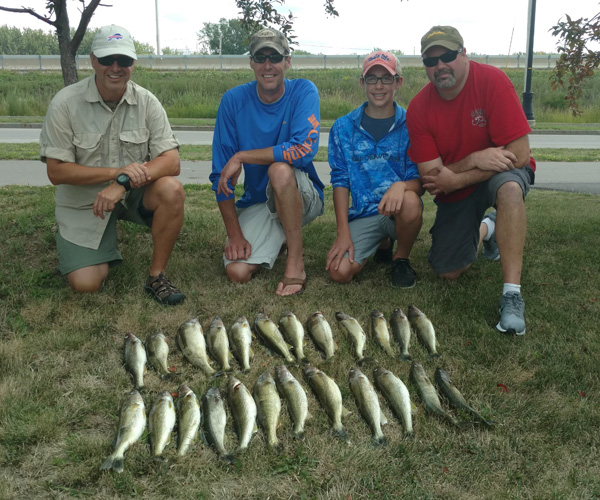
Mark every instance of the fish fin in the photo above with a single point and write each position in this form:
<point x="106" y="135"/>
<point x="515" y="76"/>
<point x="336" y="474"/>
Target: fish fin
<point x="382" y="418"/>
<point x="345" y="412"/>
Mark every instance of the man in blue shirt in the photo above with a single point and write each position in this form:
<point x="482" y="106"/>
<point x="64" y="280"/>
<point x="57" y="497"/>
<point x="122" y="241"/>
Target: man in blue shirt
<point x="369" y="162"/>
<point x="270" y="127"/>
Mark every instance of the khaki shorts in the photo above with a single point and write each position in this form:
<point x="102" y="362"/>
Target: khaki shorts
<point x="72" y="257"/>
<point x="262" y="228"/>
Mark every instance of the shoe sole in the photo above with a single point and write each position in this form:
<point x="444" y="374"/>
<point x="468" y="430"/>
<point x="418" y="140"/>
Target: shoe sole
<point x="510" y="331"/>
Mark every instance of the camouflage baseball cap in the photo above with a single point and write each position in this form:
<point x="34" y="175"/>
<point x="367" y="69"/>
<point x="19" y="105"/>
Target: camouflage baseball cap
<point x="269" y="38"/>
<point x="446" y="36"/>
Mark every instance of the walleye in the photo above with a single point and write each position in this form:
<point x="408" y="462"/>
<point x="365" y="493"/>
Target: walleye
<point x="190" y="341"/>
<point x="268" y="405"/>
<point x="398" y="397"/>
<point x="214" y="420"/>
<point x="401" y="331"/>
<point x="189" y="418"/>
<point x="161" y="422"/>
<point x="429" y="395"/>
<point x="321" y="334"/>
<point x="270" y="334"/>
<point x="381" y="332"/>
<point x="424" y="330"/>
<point x="157" y="351"/>
<point x="243" y="411"/>
<point x="293" y="331"/>
<point x="240" y="339"/>
<point x="368" y="404"/>
<point x="135" y="360"/>
<point x="132" y="423"/>
<point x="356" y="334"/>
<point x="218" y="344"/>
<point x="455" y="398"/>
<point x="329" y="396"/>
<point x="295" y="397"/>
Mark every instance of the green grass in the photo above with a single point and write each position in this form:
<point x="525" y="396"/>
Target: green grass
<point x="189" y="152"/>
<point x="61" y="373"/>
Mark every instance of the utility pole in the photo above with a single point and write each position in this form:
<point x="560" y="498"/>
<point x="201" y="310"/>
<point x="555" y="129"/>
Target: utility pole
<point x="157" y="32"/>
<point x="528" y="94"/>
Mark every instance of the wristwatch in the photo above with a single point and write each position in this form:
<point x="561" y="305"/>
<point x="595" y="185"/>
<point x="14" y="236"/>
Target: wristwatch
<point x="123" y="180"/>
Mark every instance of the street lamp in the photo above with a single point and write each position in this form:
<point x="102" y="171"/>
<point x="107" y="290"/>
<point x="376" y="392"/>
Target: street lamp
<point x="528" y="94"/>
<point x="157" y="34"/>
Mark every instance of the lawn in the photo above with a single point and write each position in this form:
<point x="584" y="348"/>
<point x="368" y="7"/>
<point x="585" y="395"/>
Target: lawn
<point x="62" y="376"/>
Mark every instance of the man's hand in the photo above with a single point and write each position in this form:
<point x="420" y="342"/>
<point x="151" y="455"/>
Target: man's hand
<point x="231" y="170"/>
<point x="107" y="199"/>
<point x="439" y="181"/>
<point x="497" y="159"/>
<point x="237" y="249"/>
<point x="138" y="174"/>
<point x="341" y="245"/>
<point x="391" y="202"/>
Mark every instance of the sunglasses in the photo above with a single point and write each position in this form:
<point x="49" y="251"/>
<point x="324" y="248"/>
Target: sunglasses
<point x="274" y="58"/>
<point x="122" y="61"/>
<point x="446" y="57"/>
<point x="386" y="80"/>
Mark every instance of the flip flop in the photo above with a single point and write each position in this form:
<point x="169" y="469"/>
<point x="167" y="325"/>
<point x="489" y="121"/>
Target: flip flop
<point x="294" y="281"/>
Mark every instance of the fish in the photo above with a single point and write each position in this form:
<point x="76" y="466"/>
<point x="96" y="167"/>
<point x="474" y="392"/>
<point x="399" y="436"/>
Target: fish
<point x="268" y="405"/>
<point x="396" y="394"/>
<point x="330" y="397"/>
<point x="367" y="402"/>
<point x="132" y="424"/>
<point x="214" y="421"/>
<point x="240" y="340"/>
<point x="424" y="330"/>
<point x="243" y="411"/>
<point x="381" y="332"/>
<point x="189" y="419"/>
<point x="455" y="398"/>
<point x="135" y="360"/>
<point x="157" y="352"/>
<point x="293" y="332"/>
<point x="355" y="333"/>
<point x="429" y="395"/>
<point x="190" y="341"/>
<point x="401" y="332"/>
<point x="295" y="396"/>
<point x="161" y="422"/>
<point x="321" y="334"/>
<point x="267" y="330"/>
<point x="217" y="342"/>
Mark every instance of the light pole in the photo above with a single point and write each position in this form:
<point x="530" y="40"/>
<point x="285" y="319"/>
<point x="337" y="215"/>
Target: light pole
<point x="528" y="94"/>
<point x="157" y="33"/>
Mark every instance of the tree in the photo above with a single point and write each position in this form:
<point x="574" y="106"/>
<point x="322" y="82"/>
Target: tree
<point x="228" y="36"/>
<point x="577" y="60"/>
<point x="67" y="44"/>
<point x="27" y="42"/>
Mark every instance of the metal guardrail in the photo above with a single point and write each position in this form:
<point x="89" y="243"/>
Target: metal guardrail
<point x="228" y="62"/>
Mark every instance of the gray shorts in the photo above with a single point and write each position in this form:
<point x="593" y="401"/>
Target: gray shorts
<point x="72" y="257"/>
<point x="263" y="230"/>
<point x="455" y="232"/>
<point x="368" y="232"/>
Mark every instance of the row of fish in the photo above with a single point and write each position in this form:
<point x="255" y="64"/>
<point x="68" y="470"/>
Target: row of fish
<point x="284" y="338"/>
<point x="262" y="406"/>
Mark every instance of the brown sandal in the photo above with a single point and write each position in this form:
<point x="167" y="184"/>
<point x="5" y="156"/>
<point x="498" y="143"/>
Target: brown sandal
<point x="294" y="281"/>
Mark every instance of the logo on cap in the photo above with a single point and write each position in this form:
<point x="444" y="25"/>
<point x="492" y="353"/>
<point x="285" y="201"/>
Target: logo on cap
<point x="116" y="36"/>
<point x="379" y="56"/>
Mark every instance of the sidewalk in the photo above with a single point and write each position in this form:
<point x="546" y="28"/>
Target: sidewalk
<point x="582" y="177"/>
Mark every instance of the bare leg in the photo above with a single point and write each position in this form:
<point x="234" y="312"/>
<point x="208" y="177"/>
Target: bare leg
<point x="240" y="272"/>
<point x="88" y="279"/>
<point x="408" y="225"/>
<point x="511" y="229"/>
<point x="346" y="271"/>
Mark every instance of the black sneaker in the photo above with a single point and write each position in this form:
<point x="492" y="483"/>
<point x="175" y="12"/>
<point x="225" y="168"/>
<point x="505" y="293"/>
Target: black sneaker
<point x="403" y="275"/>
<point x="160" y="288"/>
<point x="384" y="256"/>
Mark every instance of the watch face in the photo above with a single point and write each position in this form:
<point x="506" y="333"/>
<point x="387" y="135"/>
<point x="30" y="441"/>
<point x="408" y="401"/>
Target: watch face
<point x="122" y="178"/>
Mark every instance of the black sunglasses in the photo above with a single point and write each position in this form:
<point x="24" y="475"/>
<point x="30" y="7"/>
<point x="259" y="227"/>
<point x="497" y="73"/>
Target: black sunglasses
<point x="446" y="57"/>
<point x="122" y="61"/>
<point x="274" y="58"/>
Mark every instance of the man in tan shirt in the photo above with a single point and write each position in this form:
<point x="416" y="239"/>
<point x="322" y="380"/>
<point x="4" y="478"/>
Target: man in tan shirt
<point x="110" y="151"/>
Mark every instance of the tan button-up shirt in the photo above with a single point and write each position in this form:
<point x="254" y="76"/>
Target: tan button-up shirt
<point x="79" y="127"/>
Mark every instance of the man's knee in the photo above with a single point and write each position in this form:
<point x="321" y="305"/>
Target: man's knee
<point x="238" y="272"/>
<point x="509" y="191"/>
<point x="166" y="191"/>
<point x="88" y="279"/>
<point x="281" y="175"/>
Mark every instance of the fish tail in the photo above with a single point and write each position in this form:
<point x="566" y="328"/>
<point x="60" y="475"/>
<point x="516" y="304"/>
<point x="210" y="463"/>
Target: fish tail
<point x="434" y="355"/>
<point x="113" y="462"/>
<point x="408" y="436"/>
<point x="379" y="441"/>
<point x="405" y="357"/>
<point x="300" y="435"/>
<point x="341" y="433"/>
<point x="228" y="458"/>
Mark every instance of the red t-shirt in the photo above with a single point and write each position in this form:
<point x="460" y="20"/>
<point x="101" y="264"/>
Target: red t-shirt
<point x="486" y="113"/>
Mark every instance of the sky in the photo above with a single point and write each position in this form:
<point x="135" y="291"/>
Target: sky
<point x="498" y="27"/>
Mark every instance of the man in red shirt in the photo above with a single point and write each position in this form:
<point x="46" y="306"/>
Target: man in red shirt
<point x="469" y="138"/>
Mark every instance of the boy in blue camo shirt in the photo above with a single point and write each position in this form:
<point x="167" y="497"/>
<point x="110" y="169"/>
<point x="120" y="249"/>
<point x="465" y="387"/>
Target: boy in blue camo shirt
<point x="369" y="163"/>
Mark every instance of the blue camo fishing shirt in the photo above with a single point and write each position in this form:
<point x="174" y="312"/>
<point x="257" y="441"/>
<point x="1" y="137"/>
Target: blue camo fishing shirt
<point x="365" y="167"/>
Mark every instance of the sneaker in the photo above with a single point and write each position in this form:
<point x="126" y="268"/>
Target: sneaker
<point x="384" y="256"/>
<point x="160" y="288"/>
<point x="490" y="247"/>
<point x="403" y="275"/>
<point x="512" y="314"/>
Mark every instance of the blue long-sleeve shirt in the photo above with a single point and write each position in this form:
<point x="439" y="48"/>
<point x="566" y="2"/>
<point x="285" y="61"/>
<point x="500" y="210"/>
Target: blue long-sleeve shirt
<point x="365" y="167"/>
<point x="290" y="126"/>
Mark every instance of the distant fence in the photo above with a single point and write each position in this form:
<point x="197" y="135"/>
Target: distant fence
<point x="203" y="62"/>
